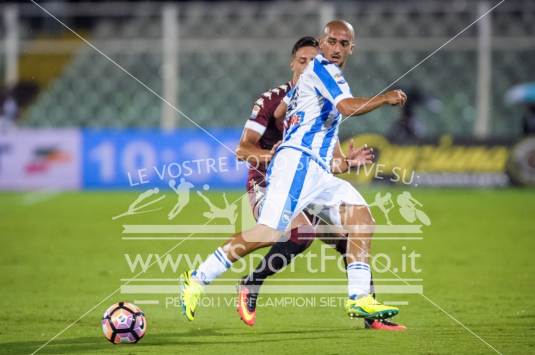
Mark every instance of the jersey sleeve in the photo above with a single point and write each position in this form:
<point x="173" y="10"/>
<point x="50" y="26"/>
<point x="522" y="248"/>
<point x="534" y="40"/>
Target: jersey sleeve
<point x="259" y="118"/>
<point x="288" y="97"/>
<point x="330" y="82"/>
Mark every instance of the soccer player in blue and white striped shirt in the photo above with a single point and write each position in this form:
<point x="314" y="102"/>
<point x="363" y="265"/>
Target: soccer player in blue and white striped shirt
<point x="299" y="175"/>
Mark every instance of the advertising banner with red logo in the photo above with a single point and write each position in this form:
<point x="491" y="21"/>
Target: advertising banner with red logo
<point x="40" y="159"/>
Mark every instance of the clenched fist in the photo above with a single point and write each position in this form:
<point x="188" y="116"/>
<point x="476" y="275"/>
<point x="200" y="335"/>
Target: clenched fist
<point x="396" y="97"/>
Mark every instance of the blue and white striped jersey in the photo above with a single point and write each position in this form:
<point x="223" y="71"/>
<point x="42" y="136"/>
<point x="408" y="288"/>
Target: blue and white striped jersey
<point x="312" y="120"/>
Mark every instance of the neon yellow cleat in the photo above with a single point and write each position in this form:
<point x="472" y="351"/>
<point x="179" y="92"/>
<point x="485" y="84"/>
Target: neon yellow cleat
<point x="190" y="294"/>
<point x="368" y="307"/>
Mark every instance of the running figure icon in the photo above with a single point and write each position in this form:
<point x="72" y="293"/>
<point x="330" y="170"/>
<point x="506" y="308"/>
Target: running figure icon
<point x="228" y="212"/>
<point x="183" y="196"/>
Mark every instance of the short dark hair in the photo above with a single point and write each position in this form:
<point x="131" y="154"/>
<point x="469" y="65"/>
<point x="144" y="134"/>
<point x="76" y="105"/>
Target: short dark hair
<point x="307" y="41"/>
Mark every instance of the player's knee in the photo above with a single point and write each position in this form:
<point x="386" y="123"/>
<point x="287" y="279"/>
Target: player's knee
<point x="362" y="215"/>
<point x="268" y="235"/>
<point x="368" y="220"/>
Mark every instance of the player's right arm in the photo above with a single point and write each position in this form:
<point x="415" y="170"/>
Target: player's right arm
<point x="249" y="148"/>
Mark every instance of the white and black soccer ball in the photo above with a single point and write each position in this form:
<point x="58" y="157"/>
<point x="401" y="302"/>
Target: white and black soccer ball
<point x="124" y="322"/>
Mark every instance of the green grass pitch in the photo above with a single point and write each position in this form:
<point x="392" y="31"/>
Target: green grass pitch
<point x="62" y="254"/>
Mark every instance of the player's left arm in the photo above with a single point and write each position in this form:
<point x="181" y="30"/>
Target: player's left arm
<point x="355" y="106"/>
<point x="356" y="157"/>
<point x="334" y="87"/>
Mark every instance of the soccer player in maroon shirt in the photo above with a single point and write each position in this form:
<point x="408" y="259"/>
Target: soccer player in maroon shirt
<point x="260" y="137"/>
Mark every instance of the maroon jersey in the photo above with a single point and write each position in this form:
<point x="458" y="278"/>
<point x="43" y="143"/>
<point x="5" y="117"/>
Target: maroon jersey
<point x="263" y="122"/>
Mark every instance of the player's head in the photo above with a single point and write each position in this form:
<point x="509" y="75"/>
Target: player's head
<point x="337" y="41"/>
<point x="303" y="51"/>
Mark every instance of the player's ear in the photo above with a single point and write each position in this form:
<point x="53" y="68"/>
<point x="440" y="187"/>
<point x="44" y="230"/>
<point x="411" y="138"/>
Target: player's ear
<point x="321" y="43"/>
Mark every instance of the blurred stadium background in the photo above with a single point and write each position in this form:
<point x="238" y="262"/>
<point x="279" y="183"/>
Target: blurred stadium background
<point x="213" y="41"/>
<point x="213" y="59"/>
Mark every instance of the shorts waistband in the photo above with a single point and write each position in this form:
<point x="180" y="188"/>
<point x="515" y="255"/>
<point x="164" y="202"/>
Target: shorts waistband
<point x="309" y="153"/>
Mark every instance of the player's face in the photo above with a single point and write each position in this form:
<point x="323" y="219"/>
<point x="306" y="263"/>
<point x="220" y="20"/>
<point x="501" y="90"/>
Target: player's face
<point x="336" y="45"/>
<point x="302" y="57"/>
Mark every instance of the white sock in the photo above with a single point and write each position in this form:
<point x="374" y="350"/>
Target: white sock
<point x="358" y="276"/>
<point x="216" y="264"/>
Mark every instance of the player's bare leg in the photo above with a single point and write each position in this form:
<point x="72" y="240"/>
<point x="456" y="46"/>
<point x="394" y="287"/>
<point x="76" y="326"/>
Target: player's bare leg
<point x="192" y="282"/>
<point x="359" y="224"/>
<point x="245" y="242"/>
<point x="275" y="260"/>
<point x="339" y="242"/>
<point x="358" y="241"/>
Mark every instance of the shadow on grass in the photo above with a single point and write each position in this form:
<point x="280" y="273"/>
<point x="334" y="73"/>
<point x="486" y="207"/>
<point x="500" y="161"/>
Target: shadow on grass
<point x="191" y="337"/>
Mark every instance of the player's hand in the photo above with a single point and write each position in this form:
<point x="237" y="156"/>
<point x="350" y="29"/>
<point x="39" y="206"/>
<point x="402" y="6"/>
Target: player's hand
<point x="396" y="97"/>
<point x="359" y="156"/>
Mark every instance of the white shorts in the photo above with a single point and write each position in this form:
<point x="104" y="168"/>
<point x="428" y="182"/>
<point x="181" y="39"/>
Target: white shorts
<point x="295" y="181"/>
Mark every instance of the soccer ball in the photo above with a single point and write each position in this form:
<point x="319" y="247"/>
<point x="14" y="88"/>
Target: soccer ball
<point x="124" y="322"/>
